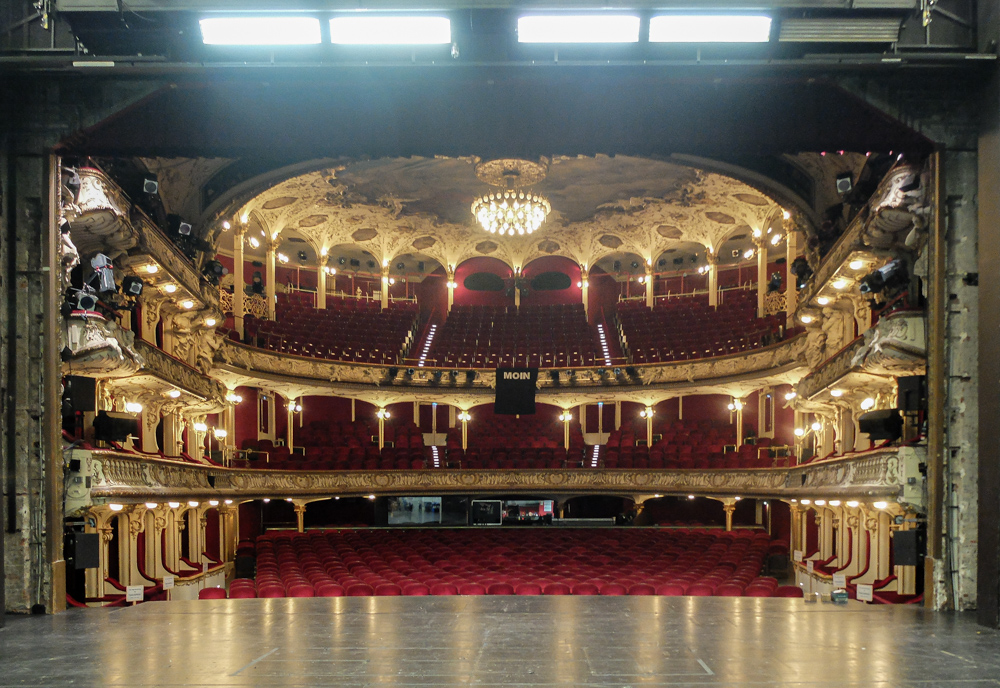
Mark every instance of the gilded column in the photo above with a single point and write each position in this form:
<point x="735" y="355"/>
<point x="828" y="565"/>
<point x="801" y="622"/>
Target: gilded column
<point x="270" y="287"/>
<point x="238" y="286"/>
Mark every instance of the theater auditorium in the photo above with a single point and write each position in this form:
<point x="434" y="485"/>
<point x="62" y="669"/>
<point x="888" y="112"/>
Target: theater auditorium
<point x="500" y="344"/>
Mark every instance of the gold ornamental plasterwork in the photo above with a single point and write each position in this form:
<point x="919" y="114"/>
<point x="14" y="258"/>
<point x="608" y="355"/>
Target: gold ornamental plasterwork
<point x="120" y="476"/>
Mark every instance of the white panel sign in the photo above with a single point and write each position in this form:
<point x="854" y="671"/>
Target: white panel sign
<point x="168" y="582"/>
<point x="133" y="593"/>
<point x="810" y="566"/>
<point x="864" y="592"/>
<point x="839" y="580"/>
<point x="797" y="555"/>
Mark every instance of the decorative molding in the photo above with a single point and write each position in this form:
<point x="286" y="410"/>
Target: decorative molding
<point x="100" y="348"/>
<point x="774" y="303"/>
<point x="153" y="243"/>
<point x="120" y="476"/>
<point x="179" y="374"/>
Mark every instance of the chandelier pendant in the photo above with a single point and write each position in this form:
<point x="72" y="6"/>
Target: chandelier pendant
<point x="511" y="211"/>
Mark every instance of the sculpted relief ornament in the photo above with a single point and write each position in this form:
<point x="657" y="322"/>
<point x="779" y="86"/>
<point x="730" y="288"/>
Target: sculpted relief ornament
<point x="896" y="346"/>
<point x="98" y="348"/>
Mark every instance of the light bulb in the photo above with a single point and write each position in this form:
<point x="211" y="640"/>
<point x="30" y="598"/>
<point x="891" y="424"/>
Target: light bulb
<point x="200" y="427"/>
<point x="173" y="505"/>
<point x="881" y="505"/>
<point x="867" y="404"/>
<point x="133" y="407"/>
<point x="806" y="502"/>
<point x="170" y="288"/>
<point x="210" y="322"/>
<point x="213" y="502"/>
<point x="187" y="304"/>
<point x="790" y="395"/>
<point x="152" y="269"/>
<point x="807" y="319"/>
<point x="799" y="432"/>
<point x="151" y="505"/>
<point x="836" y="393"/>
<point x="193" y="505"/>
<point x="853" y="504"/>
<point x="822" y="300"/>
<point x="834" y="502"/>
<point x="116" y="507"/>
<point x="856" y="264"/>
<point x="816" y="427"/>
<point x="839" y="284"/>
<point x="820" y="502"/>
<point x="174" y="393"/>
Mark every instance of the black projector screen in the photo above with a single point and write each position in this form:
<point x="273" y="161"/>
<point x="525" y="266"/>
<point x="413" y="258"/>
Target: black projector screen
<point x="515" y="391"/>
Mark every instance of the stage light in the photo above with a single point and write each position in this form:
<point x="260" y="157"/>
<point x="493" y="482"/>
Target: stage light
<point x="104" y="270"/>
<point x="184" y="229"/>
<point x="85" y="301"/>
<point x="260" y="31"/>
<point x="889" y="276"/>
<point x="132" y="285"/>
<point x="150" y="186"/>
<point x="844" y="183"/>
<point x="588" y="28"/>
<point x="709" y="28"/>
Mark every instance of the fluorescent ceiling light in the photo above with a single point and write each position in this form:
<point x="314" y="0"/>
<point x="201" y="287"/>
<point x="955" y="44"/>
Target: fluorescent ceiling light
<point x="371" y="30"/>
<point x="260" y="31"/>
<point x="589" y="28"/>
<point x="708" y="28"/>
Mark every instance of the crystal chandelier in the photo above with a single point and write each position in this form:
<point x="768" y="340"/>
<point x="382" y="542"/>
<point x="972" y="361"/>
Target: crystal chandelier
<point x="512" y="210"/>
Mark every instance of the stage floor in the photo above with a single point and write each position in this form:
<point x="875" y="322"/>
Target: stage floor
<point x="500" y="641"/>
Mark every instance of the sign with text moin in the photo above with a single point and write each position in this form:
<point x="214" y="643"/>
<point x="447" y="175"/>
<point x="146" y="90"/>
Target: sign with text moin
<point x="515" y="391"/>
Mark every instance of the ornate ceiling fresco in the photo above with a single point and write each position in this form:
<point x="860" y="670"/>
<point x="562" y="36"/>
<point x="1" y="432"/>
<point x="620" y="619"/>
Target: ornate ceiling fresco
<point x="601" y="206"/>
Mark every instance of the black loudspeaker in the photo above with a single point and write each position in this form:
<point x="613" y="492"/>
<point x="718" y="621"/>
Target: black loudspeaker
<point x="115" y="427"/>
<point x="83" y="550"/>
<point x="909" y="547"/>
<point x="881" y="425"/>
<point x="912" y="393"/>
<point x="79" y="394"/>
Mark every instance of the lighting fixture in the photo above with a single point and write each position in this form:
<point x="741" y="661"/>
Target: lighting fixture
<point x="383" y="414"/>
<point x="839" y="284"/>
<point x="288" y="499"/>
<point x="836" y="393"/>
<point x="187" y="304"/>
<point x="227" y="501"/>
<point x="748" y="254"/>
<point x="200" y="427"/>
<point x="708" y="28"/>
<point x="371" y="497"/>
<point x="511" y="210"/>
<point x="822" y="300"/>
<point x="586" y="28"/>
<point x="386" y="30"/>
<point x="820" y="502"/>
<point x="735" y="405"/>
<point x="116" y="507"/>
<point x="790" y="395"/>
<point x="282" y="258"/>
<point x="806" y="502"/>
<point x="464" y="416"/>
<point x="133" y="407"/>
<point x="853" y="504"/>
<point x="881" y="505"/>
<point x="193" y="505"/>
<point x="816" y="426"/>
<point x="565" y="417"/>
<point x="775" y="240"/>
<point x="213" y="502"/>
<point x="210" y="322"/>
<point x="152" y="269"/>
<point x="220" y="433"/>
<point x="856" y="264"/>
<point x="690" y="496"/>
<point x="151" y="505"/>
<point x="785" y="214"/>
<point x="799" y="432"/>
<point x="260" y="31"/>
<point x="266" y="500"/>
<point x="646" y="413"/>
<point x="834" y="502"/>
<point x="254" y="242"/>
<point x="170" y="288"/>
<point x="867" y="404"/>
<point x="173" y="505"/>
<point x="234" y="398"/>
<point x="806" y="319"/>
<point x="174" y="393"/>
<point x="296" y="407"/>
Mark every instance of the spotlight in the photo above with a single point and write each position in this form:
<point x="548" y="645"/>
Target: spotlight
<point x="104" y="270"/>
<point x="132" y="285"/>
<point x="844" y="184"/>
<point x="400" y="265"/>
<point x="85" y="301"/>
<point x="184" y="229"/>
<point x="635" y="264"/>
<point x="150" y="186"/>
<point x="303" y="257"/>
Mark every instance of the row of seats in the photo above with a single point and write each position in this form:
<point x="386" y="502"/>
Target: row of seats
<point x="686" y="327"/>
<point x="526" y="432"/>
<point x="533" y="336"/>
<point x="512" y="562"/>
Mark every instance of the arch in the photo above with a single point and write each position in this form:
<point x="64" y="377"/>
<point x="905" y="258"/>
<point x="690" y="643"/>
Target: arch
<point x="546" y="264"/>
<point x="487" y="264"/>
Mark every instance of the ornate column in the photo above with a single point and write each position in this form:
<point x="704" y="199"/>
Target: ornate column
<point x="172" y="433"/>
<point x="136" y="525"/>
<point x="647" y="413"/>
<point x="650" y="283"/>
<point x="566" y="417"/>
<point x="795" y="512"/>
<point x="300" y="517"/>
<point x="713" y="277"/>
<point x="618" y="415"/>
<point x="270" y="287"/>
<point x="729" y="506"/>
<point x="517" y="289"/>
<point x="239" y="311"/>
<point x="465" y="417"/>
<point x="151" y="305"/>
<point x="382" y="414"/>
<point x="760" y="241"/>
<point x="321" y="273"/>
<point x="450" y="273"/>
<point x="385" y="284"/>
<point x="791" y="293"/>
<point x="150" y="419"/>
<point x="585" y="288"/>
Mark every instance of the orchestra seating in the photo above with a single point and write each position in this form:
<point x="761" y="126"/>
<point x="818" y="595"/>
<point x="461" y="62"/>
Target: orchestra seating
<point x="346" y="330"/>
<point x="553" y="336"/>
<point x="686" y="327"/>
<point x="647" y="561"/>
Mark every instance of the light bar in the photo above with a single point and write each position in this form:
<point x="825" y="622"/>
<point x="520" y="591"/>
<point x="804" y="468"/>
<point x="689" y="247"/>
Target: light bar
<point x="589" y="28"/>
<point x="708" y="28"/>
<point x="370" y="30"/>
<point x="260" y="31"/>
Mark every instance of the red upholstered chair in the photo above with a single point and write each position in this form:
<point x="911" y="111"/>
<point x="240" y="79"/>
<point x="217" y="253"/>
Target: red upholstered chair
<point x="758" y="591"/>
<point x="242" y="593"/>
<point x="788" y="591"/>
<point x="301" y="590"/>
<point x="527" y="589"/>
<point x="416" y="590"/>
<point x="670" y="590"/>
<point x="641" y="589"/>
<point x="329" y="590"/>
<point x="700" y="590"/>
<point x="359" y="590"/>
<point x="614" y="589"/>
<point x="388" y="590"/>
<point x="471" y="589"/>
<point x="729" y="590"/>
<point x="212" y="594"/>
<point x="557" y="589"/>
<point x="444" y="589"/>
<point x="586" y="588"/>
<point x="271" y="591"/>
<point x="501" y="589"/>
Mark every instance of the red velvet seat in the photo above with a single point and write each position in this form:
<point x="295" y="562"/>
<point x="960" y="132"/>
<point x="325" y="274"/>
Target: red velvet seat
<point x="528" y="589"/>
<point x="501" y="589"/>
<point x="729" y="590"/>
<point x="212" y="594"/>
<point x="670" y="590"/>
<point x="388" y="590"/>
<point x="416" y="590"/>
<point x="614" y="589"/>
<point x="359" y="590"/>
<point x="700" y="590"/>
<point x="302" y="590"/>
<point x="471" y="589"/>
<point x="557" y="589"/>
<point x="757" y="591"/>
<point x="444" y="589"/>
<point x="329" y="590"/>
<point x="586" y="588"/>
<point x="641" y="589"/>
<point x="788" y="591"/>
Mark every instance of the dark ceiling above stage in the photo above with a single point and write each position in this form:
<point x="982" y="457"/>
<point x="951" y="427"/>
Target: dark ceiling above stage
<point x="494" y="112"/>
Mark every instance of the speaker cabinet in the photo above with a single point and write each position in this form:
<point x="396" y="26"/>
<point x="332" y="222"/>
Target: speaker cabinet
<point x="912" y="393"/>
<point x="79" y="394"/>
<point x="909" y="547"/>
<point x="881" y="425"/>
<point x="83" y="550"/>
